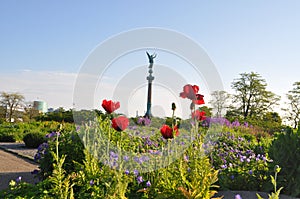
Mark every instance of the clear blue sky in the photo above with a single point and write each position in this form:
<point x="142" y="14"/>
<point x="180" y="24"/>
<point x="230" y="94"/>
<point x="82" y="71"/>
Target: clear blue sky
<point x="239" y="36"/>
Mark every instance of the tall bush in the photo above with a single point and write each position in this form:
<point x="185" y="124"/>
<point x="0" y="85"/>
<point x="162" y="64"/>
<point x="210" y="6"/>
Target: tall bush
<point x="285" y="152"/>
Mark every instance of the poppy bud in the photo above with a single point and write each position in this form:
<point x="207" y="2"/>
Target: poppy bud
<point x="173" y="106"/>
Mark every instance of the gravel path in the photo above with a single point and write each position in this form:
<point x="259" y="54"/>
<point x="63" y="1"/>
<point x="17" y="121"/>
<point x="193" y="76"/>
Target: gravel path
<point x="13" y="166"/>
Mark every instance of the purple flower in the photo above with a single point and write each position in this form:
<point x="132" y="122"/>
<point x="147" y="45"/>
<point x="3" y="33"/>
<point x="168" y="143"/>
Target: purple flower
<point x="126" y="158"/>
<point x="144" y="158"/>
<point x="113" y="155"/>
<point x="250" y="172"/>
<point x="144" y="121"/>
<point x="127" y="172"/>
<point x="34" y="172"/>
<point x="135" y="172"/>
<point x="92" y="182"/>
<point x="235" y="123"/>
<point x="238" y="196"/>
<point x="139" y="179"/>
<point x="37" y="156"/>
<point x="137" y="159"/>
<point x="186" y="158"/>
<point x="52" y="134"/>
<point x="19" y="179"/>
<point x="232" y="177"/>
<point x="224" y="166"/>
<point x="148" y="184"/>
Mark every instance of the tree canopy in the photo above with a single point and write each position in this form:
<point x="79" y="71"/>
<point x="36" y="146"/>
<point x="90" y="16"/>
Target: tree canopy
<point x="11" y="102"/>
<point x="293" y="109"/>
<point x="251" y="97"/>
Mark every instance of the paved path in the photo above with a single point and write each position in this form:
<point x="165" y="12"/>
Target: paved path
<point x="12" y="166"/>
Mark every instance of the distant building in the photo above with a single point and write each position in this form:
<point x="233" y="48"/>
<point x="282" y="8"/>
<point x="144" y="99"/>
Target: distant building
<point x="41" y="106"/>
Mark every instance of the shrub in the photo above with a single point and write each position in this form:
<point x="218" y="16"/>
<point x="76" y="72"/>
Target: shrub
<point x="70" y="145"/>
<point x="285" y="152"/>
<point x="7" y="138"/>
<point x="34" y="139"/>
<point x="243" y="163"/>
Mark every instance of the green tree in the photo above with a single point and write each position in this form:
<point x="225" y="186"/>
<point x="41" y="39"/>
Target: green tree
<point x="252" y="98"/>
<point x="219" y="102"/>
<point x="293" y="109"/>
<point x="12" y="102"/>
<point x="29" y="112"/>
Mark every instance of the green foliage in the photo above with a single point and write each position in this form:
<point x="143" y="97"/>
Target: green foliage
<point x="19" y="130"/>
<point x="70" y="145"/>
<point x="59" y="116"/>
<point x="34" y="139"/>
<point x="61" y="186"/>
<point x="242" y="162"/>
<point x="285" y="151"/>
<point x="275" y="194"/>
<point x="25" y="190"/>
<point x="269" y="122"/>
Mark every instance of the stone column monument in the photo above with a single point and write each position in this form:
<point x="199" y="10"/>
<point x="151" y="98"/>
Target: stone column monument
<point x="150" y="78"/>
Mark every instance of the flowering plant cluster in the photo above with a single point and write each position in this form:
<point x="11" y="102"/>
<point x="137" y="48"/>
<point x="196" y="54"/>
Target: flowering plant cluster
<point x="242" y="165"/>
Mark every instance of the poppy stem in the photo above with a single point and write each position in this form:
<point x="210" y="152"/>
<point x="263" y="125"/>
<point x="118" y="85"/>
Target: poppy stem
<point x="108" y="142"/>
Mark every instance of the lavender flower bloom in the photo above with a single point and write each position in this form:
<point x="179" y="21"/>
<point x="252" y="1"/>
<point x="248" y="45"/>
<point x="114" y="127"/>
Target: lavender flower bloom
<point x="235" y="123"/>
<point x="34" y="172"/>
<point x="127" y="172"/>
<point x="52" y="134"/>
<point x="148" y="184"/>
<point x="238" y="196"/>
<point x="144" y="158"/>
<point x="186" y="158"/>
<point x="137" y="159"/>
<point x="224" y="166"/>
<point x="135" y="172"/>
<point x="126" y="158"/>
<point x="19" y="179"/>
<point x="113" y="155"/>
<point x="232" y="177"/>
<point x="37" y="157"/>
<point x="250" y="172"/>
<point x="144" y="121"/>
<point x="91" y="182"/>
<point x="139" y="179"/>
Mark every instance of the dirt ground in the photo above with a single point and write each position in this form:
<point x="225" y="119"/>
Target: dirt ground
<point x="12" y="167"/>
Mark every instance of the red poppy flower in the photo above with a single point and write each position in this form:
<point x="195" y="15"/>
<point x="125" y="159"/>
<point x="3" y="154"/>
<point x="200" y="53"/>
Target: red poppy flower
<point x="110" y="106"/>
<point x="120" y="123"/>
<point x="189" y="91"/>
<point x="167" y="132"/>
<point x="199" y="99"/>
<point x="199" y="115"/>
